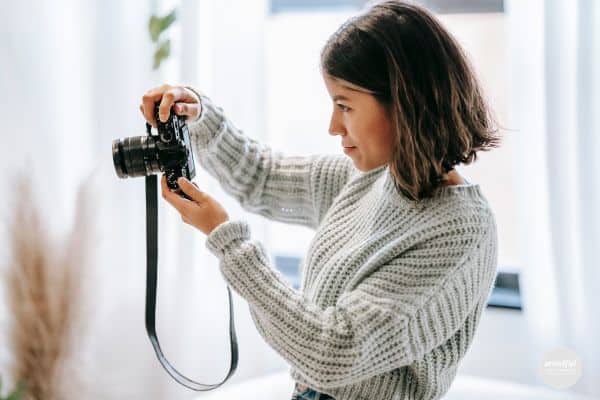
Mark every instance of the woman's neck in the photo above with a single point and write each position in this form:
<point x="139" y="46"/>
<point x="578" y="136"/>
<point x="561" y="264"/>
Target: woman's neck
<point x="453" y="178"/>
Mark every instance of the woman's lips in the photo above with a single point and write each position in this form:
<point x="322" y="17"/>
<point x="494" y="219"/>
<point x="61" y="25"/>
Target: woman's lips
<point x="349" y="149"/>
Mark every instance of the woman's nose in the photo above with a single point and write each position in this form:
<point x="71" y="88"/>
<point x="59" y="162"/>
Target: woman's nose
<point x="336" y="128"/>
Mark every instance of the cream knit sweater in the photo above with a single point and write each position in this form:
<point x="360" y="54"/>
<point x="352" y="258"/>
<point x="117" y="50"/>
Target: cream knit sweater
<point x="391" y="293"/>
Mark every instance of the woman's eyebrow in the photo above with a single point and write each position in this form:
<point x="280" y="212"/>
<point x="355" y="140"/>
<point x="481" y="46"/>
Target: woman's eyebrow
<point x="340" y="97"/>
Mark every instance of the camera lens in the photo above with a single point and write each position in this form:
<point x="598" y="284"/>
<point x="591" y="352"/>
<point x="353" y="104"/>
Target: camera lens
<point x="135" y="156"/>
<point x="117" y="152"/>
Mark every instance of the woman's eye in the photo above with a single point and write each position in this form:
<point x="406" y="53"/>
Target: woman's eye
<point x="343" y="108"/>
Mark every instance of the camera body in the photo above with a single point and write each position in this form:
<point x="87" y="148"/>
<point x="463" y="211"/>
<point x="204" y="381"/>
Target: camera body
<point x="169" y="152"/>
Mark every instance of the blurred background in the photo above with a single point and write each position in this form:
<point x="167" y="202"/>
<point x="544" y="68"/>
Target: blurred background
<point x="72" y="77"/>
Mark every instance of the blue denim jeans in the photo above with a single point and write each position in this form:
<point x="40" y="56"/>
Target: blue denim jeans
<point x="305" y="393"/>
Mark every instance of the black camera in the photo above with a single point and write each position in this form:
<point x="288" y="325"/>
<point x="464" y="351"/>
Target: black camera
<point x="169" y="152"/>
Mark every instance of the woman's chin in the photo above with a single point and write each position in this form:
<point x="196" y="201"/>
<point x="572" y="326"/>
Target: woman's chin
<point x="363" y="166"/>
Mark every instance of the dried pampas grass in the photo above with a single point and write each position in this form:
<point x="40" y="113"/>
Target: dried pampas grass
<point x="45" y="286"/>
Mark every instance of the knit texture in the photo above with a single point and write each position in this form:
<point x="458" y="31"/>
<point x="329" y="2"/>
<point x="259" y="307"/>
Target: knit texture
<point x="391" y="292"/>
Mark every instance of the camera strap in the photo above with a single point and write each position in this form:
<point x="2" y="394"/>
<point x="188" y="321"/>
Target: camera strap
<point x="151" y="283"/>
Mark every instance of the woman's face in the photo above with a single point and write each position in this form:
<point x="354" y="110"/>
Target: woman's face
<point x="362" y="122"/>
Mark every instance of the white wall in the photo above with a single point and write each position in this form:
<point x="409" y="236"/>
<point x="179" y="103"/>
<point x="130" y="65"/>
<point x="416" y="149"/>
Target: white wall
<point x="72" y="85"/>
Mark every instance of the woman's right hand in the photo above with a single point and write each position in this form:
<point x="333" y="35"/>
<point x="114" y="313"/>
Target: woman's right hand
<point x="186" y="103"/>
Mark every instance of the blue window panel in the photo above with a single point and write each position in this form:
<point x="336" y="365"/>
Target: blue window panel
<point x="289" y="266"/>
<point x="506" y="292"/>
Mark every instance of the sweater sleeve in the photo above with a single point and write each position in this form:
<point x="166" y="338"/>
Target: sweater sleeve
<point x="389" y="320"/>
<point x="291" y="189"/>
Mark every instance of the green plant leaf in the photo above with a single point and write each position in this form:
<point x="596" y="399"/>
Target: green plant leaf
<point x="161" y="53"/>
<point x="17" y="394"/>
<point x="157" y="25"/>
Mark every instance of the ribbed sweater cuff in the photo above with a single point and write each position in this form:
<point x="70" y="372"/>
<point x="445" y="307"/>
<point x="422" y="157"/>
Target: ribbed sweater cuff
<point x="227" y="235"/>
<point x="208" y="124"/>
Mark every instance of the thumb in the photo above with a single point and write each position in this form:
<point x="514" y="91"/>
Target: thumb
<point x="189" y="110"/>
<point x="191" y="189"/>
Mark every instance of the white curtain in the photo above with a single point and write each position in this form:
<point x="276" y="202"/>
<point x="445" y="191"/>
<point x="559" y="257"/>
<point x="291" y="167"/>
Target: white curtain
<point x="555" y="104"/>
<point x="73" y="74"/>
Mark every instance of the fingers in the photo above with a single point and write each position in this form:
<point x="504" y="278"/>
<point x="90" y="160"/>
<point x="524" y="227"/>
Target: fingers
<point x="168" y="99"/>
<point x="148" y="100"/>
<point x="191" y="189"/>
<point x="169" y="95"/>
<point x="182" y="205"/>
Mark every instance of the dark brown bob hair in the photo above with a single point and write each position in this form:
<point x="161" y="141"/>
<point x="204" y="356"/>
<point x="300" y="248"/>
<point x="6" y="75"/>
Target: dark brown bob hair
<point x="419" y="72"/>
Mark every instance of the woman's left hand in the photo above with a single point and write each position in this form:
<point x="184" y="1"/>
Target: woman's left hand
<point x="202" y="212"/>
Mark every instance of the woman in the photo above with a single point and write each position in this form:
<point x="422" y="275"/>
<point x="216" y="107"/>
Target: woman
<point x="405" y="249"/>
